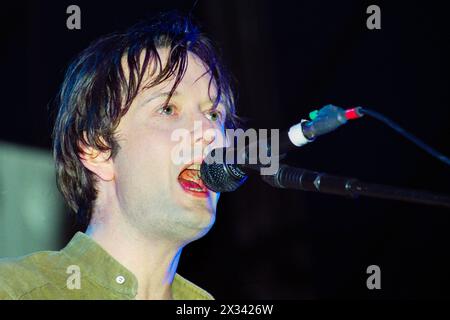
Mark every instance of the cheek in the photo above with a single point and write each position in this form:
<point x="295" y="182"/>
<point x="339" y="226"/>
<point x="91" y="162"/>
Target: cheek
<point x="144" y="155"/>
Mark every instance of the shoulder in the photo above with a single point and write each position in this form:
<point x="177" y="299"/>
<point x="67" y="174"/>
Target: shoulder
<point x="184" y="289"/>
<point x="21" y="275"/>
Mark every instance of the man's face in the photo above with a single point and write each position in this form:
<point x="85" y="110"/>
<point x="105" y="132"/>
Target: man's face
<point x="151" y="195"/>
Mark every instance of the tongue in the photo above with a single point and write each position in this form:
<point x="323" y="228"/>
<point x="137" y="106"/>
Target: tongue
<point x="191" y="178"/>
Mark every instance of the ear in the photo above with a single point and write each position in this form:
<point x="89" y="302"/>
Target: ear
<point x="97" y="162"/>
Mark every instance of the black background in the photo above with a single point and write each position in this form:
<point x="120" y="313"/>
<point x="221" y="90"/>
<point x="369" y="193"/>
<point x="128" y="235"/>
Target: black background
<point x="289" y="57"/>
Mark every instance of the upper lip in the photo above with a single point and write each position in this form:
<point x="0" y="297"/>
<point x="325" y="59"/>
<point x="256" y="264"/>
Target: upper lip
<point x="195" y="161"/>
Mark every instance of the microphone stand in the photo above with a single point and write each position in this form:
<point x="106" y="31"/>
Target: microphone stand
<point x="288" y="177"/>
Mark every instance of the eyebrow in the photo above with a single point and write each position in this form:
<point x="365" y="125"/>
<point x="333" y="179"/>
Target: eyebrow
<point x="158" y="95"/>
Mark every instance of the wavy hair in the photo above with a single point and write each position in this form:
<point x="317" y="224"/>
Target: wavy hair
<point x="101" y="83"/>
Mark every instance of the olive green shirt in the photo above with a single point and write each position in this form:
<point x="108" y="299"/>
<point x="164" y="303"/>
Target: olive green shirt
<point x="82" y="270"/>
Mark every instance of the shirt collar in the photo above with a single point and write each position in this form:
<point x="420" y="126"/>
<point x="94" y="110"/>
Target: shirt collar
<point x="100" y="267"/>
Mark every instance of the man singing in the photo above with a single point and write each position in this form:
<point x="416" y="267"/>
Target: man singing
<point x="120" y="103"/>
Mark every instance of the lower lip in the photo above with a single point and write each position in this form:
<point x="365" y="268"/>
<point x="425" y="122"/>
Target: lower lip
<point x="199" y="194"/>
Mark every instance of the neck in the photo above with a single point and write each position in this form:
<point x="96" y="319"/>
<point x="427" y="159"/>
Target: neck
<point x="152" y="261"/>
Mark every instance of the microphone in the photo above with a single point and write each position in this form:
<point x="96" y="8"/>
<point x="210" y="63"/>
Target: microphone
<point x="223" y="168"/>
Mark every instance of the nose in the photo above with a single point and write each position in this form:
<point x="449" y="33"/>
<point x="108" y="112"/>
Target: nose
<point x="207" y="135"/>
<point x="204" y="132"/>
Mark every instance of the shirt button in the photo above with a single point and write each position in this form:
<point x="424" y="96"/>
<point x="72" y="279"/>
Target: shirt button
<point x="120" y="279"/>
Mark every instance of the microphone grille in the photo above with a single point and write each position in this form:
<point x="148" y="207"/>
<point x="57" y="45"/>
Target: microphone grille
<point x="221" y="177"/>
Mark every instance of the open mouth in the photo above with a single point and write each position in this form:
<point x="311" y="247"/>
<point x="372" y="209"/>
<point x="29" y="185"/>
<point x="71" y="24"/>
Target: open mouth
<point x="190" y="181"/>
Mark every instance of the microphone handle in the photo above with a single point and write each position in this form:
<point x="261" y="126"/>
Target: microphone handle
<point x="288" y="177"/>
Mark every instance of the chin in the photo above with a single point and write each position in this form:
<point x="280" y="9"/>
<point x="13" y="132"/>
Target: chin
<point x="202" y="232"/>
<point x="199" y="221"/>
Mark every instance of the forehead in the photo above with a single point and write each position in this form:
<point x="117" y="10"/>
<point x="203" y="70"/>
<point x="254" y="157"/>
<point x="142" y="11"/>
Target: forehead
<point x="196" y="79"/>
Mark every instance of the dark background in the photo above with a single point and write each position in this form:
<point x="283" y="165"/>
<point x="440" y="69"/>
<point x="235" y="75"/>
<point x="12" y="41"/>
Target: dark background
<point x="289" y="57"/>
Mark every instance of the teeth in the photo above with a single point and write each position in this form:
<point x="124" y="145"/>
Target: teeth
<point x="195" y="189"/>
<point x="195" y="166"/>
<point x="190" y="174"/>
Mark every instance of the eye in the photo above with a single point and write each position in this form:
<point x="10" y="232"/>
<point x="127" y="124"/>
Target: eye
<point x="214" y="115"/>
<point x="167" y="110"/>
